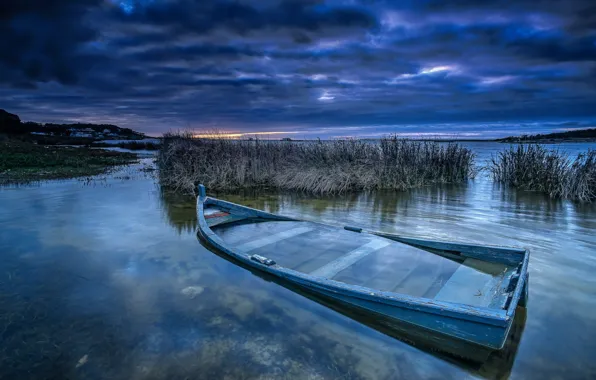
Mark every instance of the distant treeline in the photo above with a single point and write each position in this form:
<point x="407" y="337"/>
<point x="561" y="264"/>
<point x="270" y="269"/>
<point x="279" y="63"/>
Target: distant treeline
<point x="11" y="124"/>
<point x="576" y="134"/>
<point x="65" y="129"/>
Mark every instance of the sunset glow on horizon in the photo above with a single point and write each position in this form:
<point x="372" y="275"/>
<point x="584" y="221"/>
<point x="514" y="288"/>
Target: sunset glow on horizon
<point x="237" y="135"/>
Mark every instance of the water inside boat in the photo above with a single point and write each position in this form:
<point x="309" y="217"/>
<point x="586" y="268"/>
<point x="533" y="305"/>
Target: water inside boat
<point x="366" y="260"/>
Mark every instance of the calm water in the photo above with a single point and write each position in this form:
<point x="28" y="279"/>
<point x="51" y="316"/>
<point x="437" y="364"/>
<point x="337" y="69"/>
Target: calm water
<point x="107" y="279"/>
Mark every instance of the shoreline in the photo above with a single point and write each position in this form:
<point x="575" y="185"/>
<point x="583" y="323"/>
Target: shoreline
<point x="549" y="141"/>
<point x="22" y="163"/>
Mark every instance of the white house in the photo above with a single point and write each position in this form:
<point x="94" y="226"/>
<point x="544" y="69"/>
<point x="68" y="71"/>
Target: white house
<point x="85" y="132"/>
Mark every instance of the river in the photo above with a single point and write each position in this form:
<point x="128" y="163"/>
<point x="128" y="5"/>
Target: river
<point x="107" y="279"/>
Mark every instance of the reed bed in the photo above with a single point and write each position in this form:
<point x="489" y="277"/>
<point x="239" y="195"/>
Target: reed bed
<point x="313" y="166"/>
<point x="536" y="168"/>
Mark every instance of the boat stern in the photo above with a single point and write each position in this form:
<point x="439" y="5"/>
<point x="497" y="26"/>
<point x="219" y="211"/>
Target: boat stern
<point x="519" y="285"/>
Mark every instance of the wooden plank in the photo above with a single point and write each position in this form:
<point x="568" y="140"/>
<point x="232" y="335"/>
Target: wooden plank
<point x="470" y="286"/>
<point x="424" y="276"/>
<point x="216" y="214"/>
<point x="317" y="248"/>
<point x="378" y="270"/>
<point x="223" y="219"/>
<point x="254" y="244"/>
<point x="441" y="280"/>
<point x="325" y="257"/>
<point x="390" y="278"/>
<point x="336" y="266"/>
<point x="494" y="269"/>
<point x="293" y="251"/>
<point x="242" y="233"/>
<point x="508" y="256"/>
<point x="211" y="211"/>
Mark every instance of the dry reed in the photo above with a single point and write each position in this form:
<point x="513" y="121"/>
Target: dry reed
<point x="310" y="166"/>
<point x="535" y="168"/>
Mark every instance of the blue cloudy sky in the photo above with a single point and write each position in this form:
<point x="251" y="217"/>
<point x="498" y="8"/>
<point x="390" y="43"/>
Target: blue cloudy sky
<point x="303" y="68"/>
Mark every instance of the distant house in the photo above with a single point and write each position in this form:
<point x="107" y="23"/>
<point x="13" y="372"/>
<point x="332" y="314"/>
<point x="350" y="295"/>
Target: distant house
<point x="83" y="132"/>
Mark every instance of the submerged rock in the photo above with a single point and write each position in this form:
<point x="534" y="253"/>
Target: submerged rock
<point x="82" y="361"/>
<point x="192" y="291"/>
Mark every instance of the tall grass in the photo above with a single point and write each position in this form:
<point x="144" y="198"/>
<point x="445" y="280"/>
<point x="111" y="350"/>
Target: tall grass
<point x="535" y="168"/>
<point x="317" y="167"/>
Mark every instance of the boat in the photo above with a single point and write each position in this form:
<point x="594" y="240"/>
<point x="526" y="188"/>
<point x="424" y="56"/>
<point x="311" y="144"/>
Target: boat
<point x="462" y="298"/>
<point x="482" y="363"/>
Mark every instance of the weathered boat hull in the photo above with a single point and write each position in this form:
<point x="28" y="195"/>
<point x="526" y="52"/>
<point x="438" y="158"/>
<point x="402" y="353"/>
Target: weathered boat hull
<point x="472" y="332"/>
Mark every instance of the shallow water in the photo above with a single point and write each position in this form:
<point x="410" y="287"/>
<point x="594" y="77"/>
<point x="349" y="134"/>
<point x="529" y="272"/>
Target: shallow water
<point x="107" y="279"/>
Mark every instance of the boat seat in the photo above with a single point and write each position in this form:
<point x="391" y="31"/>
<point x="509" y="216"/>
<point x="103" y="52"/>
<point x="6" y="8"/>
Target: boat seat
<point x="215" y="216"/>
<point x="329" y="270"/>
<point x="223" y="218"/>
<point x="475" y="283"/>
<point x="258" y="243"/>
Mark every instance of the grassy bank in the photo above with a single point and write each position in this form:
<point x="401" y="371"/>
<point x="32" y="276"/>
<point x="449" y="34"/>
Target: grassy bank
<point x="317" y="167"/>
<point x="24" y="162"/>
<point x="535" y="168"/>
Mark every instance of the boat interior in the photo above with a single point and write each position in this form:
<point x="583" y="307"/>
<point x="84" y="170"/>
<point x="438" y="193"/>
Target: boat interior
<point x="365" y="260"/>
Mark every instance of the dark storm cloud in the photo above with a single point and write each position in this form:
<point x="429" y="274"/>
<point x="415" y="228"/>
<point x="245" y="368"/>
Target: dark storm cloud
<point x="576" y="16"/>
<point x="204" y="16"/>
<point x="330" y="68"/>
<point x="42" y="40"/>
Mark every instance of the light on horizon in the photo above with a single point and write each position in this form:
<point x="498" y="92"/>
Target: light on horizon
<point x="237" y="135"/>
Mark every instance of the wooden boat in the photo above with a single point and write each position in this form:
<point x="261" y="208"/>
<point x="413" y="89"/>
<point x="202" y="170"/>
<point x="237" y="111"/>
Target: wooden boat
<point x="483" y="363"/>
<point x="461" y="297"/>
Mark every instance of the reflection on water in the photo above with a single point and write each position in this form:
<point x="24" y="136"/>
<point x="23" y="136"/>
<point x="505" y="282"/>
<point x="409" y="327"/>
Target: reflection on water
<point x="108" y="280"/>
<point x="180" y="211"/>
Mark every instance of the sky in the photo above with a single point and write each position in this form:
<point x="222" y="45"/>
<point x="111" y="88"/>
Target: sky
<point x="304" y="69"/>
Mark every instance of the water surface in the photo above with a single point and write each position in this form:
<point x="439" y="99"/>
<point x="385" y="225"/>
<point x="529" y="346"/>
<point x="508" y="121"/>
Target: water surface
<point x="107" y="279"/>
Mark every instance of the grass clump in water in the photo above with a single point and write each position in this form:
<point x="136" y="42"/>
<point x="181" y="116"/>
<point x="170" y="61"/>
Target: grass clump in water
<point x="535" y="168"/>
<point x="310" y="166"/>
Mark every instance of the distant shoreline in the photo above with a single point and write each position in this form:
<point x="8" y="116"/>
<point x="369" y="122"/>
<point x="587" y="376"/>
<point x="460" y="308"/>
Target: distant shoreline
<point x="549" y="141"/>
<point x="578" y="135"/>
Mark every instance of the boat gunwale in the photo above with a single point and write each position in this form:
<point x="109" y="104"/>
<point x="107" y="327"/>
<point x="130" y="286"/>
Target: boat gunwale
<point x="484" y="315"/>
<point x="519" y="287"/>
